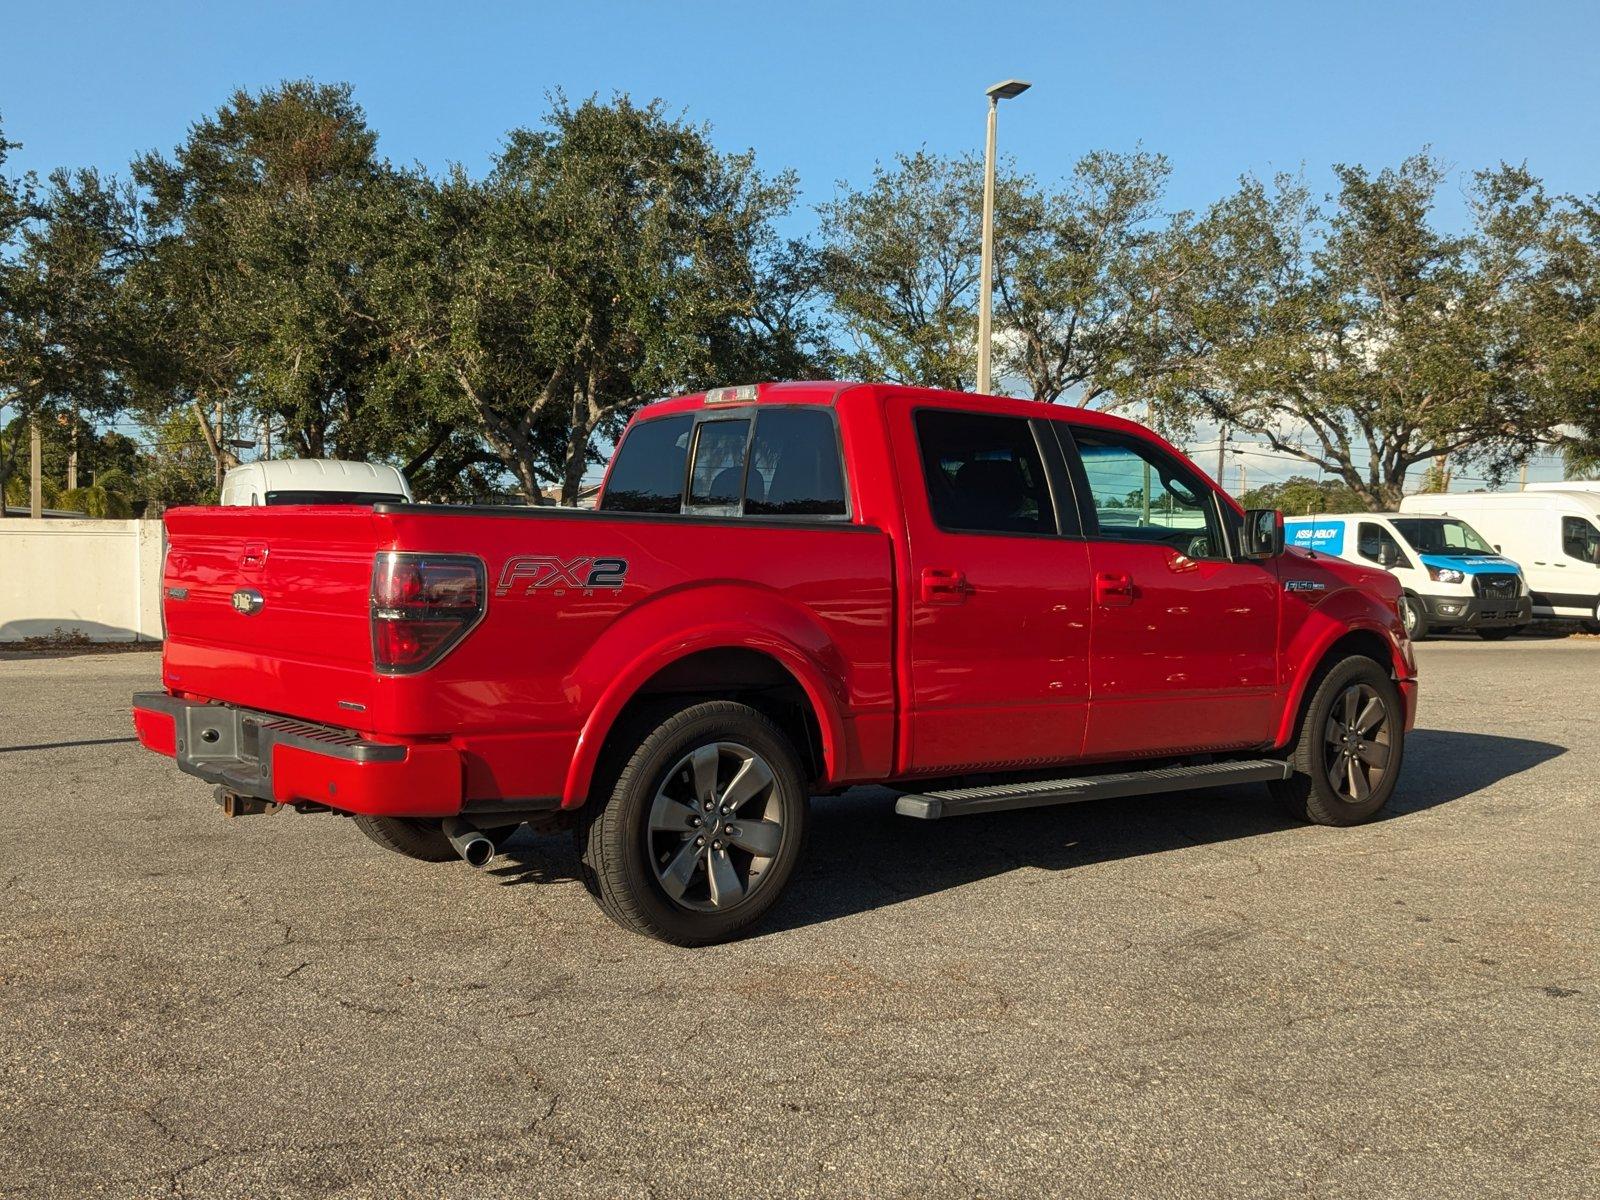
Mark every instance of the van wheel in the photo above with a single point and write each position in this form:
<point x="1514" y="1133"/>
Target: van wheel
<point x="699" y="828"/>
<point x="421" y="839"/>
<point x="1414" y="617"/>
<point x="1350" y="746"/>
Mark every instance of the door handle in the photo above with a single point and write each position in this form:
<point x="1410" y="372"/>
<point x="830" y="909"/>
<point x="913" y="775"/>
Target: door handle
<point x="944" y="585"/>
<point x="1113" y="590"/>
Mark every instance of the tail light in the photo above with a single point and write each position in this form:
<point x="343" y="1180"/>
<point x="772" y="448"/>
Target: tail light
<point x="422" y="606"/>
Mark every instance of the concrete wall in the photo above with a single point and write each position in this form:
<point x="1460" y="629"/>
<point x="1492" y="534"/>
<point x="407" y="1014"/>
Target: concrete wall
<point x="101" y="579"/>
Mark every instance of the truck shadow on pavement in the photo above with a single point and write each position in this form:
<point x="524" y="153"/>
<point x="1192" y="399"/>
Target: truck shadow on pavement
<point x="863" y="856"/>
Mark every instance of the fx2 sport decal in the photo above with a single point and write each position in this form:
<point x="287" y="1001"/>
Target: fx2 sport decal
<point x="525" y="574"/>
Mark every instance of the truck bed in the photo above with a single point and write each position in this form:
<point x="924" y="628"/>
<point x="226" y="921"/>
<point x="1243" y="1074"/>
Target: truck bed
<point x="514" y="696"/>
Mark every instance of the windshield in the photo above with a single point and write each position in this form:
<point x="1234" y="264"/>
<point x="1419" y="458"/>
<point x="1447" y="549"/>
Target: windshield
<point x="316" y="497"/>
<point x="1441" y="535"/>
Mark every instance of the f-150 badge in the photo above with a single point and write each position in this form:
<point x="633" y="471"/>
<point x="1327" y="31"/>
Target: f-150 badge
<point x="538" y="572"/>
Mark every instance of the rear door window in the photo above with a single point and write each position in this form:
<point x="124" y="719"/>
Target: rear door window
<point x="717" y="478"/>
<point x="984" y="473"/>
<point x="647" y="475"/>
<point x="794" y="465"/>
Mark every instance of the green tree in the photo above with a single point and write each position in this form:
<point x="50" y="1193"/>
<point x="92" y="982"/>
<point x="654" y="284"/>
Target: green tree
<point x="1077" y="276"/>
<point x="178" y="467"/>
<point x="1576" y="366"/>
<point x="610" y="256"/>
<point x="901" y="267"/>
<point x="62" y="261"/>
<point x="1300" y="495"/>
<point x="262" y="230"/>
<point x="1364" y="340"/>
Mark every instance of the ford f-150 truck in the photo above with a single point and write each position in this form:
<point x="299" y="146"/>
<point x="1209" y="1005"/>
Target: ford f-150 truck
<point x="785" y="590"/>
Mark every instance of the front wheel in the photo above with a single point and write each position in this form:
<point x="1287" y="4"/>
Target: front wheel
<point x="1347" y="757"/>
<point x="701" y="827"/>
<point x="1413" y="617"/>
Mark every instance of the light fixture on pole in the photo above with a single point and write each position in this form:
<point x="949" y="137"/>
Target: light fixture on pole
<point x="1000" y="91"/>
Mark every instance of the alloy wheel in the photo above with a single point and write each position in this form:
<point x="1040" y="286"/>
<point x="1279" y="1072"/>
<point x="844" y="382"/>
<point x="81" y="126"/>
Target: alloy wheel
<point x="715" y="827"/>
<point x="1358" y="743"/>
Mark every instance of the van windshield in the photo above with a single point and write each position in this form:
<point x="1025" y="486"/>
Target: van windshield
<point x="305" y="496"/>
<point x="1441" y="535"/>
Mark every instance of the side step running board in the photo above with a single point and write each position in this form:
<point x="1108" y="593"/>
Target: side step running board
<point x="958" y="802"/>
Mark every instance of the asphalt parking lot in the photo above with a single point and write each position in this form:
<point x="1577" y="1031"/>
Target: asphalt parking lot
<point x="1183" y="996"/>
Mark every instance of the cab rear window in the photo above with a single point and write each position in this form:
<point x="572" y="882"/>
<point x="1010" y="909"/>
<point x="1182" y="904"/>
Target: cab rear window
<point x="775" y="462"/>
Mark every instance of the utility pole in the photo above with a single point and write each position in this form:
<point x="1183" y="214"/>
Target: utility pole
<point x="266" y="436"/>
<point x="36" y="481"/>
<point x="72" y="455"/>
<point x="1243" y="488"/>
<point x="1522" y="478"/>
<point x="1222" y="451"/>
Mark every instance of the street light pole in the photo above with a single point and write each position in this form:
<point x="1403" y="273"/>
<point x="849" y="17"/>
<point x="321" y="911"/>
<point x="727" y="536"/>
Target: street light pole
<point x="997" y="93"/>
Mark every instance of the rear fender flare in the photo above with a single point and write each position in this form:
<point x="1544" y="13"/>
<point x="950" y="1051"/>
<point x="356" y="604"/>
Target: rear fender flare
<point x="674" y="626"/>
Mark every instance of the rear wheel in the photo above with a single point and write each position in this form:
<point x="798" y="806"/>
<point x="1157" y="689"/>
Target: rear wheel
<point x="420" y="838"/>
<point x="1414" y="617"/>
<point x="700" y="827"/>
<point x="1351" y="742"/>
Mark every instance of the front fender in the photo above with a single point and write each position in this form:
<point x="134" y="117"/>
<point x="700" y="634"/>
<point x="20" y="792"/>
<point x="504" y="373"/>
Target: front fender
<point x="1321" y="625"/>
<point x="718" y="616"/>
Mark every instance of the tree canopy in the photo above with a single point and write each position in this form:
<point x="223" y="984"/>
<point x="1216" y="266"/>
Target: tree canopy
<point x="272" y="278"/>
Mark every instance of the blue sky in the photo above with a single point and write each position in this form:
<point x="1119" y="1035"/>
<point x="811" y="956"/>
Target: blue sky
<point x="829" y="88"/>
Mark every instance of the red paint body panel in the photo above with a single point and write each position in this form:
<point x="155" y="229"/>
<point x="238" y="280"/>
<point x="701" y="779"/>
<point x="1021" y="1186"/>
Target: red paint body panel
<point x="426" y="783"/>
<point x="918" y="651"/>
<point x="156" y="731"/>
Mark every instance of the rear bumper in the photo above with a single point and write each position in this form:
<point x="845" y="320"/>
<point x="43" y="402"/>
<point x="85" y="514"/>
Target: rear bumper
<point x="286" y="761"/>
<point x="1477" y="612"/>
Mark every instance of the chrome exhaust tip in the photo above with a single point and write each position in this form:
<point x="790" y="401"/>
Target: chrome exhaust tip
<point x="474" y="847"/>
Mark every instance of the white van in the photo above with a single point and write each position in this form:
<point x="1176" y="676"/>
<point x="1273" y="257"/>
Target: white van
<point x="1566" y="485"/>
<point x="314" y="481"/>
<point x="1452" y="577"/>
<point x="1554" y="534"/>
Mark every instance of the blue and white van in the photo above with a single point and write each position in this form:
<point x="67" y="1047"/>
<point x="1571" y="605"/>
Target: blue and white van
<point x="1453" y="579"/>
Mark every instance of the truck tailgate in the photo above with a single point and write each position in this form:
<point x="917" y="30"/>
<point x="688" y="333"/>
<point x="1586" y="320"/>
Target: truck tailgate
<point x="268" y="608"/>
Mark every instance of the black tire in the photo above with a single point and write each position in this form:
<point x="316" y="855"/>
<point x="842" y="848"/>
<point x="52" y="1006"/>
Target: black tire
<point x="419" y="838"/>
<point x="1589" y="626"/>
<point x="627" y="853"/>
<point x="1414" y="617"/>
<point x="1310" y="793"/>
<point x="1500" y="633"/>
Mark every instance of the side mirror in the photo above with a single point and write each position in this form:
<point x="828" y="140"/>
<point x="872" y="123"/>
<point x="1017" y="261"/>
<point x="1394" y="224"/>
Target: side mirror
<point x="1263" y="533"/>
<point x="1387" y="556"/>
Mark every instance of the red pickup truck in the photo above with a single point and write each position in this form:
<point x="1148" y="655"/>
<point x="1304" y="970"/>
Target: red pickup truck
<point x="786" y="589"/>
